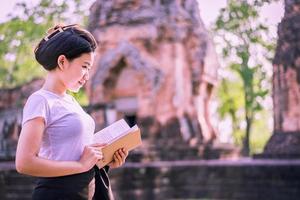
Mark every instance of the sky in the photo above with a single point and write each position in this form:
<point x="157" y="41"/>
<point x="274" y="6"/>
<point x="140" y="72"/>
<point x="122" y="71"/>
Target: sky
<point x="208" y="10"/>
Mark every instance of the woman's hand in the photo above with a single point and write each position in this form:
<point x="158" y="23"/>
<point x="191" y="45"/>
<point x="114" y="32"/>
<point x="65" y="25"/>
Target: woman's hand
<point x="91" y="155"/>
<point x="119" y="158"/>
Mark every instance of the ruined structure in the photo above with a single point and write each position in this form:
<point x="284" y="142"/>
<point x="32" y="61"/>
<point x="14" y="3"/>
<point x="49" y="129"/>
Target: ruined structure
<point x="155" y="66"/>
<point x="285" y="142"/>
<point x="11" y="105"/>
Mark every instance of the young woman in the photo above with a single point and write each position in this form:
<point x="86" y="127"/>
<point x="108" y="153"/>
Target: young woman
<point x="56" y="143"/>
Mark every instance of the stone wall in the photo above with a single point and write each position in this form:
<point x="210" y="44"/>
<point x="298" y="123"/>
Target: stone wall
<point x="210" y="180"/>
<point x="285" y="142"/>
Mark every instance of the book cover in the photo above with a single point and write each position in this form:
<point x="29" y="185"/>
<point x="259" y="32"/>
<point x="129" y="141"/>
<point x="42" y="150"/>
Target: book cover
<point x="117" y="135"/>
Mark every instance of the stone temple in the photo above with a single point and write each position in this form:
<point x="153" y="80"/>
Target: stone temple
<point x="155" y="66"/>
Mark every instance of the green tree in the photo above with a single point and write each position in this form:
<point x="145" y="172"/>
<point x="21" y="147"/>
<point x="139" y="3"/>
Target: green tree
<point x="21" y="32"/>
<point x="246" y="46"/>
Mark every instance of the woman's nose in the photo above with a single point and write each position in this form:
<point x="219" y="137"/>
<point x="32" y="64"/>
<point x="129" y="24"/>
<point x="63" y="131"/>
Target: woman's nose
<point x="87" y="76"/>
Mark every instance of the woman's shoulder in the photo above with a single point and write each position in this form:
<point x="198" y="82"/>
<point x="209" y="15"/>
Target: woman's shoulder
<point x="36" y="98"/>
<point x="43" y="95"/>
<point x="37" y="95"/>
<point x="36" y="106"/>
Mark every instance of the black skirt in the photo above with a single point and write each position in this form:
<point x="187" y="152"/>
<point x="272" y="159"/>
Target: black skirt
<point x="74" y="187"/>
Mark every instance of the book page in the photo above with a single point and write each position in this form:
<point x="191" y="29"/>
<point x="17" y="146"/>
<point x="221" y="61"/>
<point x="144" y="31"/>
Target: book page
<point x="110" y="133"/>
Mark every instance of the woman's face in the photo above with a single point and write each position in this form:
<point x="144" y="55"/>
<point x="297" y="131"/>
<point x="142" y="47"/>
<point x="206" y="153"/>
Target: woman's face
<point x="76" y="72"/>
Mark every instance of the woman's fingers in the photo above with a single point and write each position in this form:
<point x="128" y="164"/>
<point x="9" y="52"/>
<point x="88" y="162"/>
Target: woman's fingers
<point x="120" y="156"/>
<point x="98" y="152"/>
<point x="95" y="151"/>
<point x="118" y="159"/>
<point x="125" y="152"/>
<point x="90" y="156"/>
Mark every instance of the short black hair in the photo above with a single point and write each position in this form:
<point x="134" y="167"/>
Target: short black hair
<point x="70" y="41"/>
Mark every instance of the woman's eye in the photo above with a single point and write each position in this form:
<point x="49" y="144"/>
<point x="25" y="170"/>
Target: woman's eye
<point x="86" y="67"/>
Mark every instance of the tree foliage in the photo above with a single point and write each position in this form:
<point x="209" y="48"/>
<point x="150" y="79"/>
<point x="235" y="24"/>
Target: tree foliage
<point x="246" y="48"/>
<point x="22" y="31"/>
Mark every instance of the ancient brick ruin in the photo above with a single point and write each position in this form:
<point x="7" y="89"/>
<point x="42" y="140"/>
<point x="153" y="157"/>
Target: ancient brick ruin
<point x="285" y="142"/>
<point x="11" y="105"/>
<point x="155" y="66"/>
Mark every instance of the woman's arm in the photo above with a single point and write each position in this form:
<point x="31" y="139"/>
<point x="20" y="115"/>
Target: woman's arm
<point x="28" y="162"/>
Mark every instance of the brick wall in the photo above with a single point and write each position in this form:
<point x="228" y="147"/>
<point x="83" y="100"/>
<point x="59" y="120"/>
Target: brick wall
<point x="209" y="180"/>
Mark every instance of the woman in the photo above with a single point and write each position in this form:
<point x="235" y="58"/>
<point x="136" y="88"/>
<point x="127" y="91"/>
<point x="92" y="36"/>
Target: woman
<point x="56" y="143"/>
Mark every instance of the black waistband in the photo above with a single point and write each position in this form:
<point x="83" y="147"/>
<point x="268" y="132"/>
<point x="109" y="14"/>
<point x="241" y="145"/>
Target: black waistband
<point x="64" y="187"/>
<point x="74" y="187"/>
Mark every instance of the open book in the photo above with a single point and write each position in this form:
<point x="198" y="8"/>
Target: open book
<point x="117" y="135"/>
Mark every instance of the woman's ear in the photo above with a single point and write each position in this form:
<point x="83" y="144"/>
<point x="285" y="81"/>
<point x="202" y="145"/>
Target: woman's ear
<point x="61" y="62"/>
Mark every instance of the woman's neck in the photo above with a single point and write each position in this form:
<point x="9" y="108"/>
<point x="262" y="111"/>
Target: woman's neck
<point x="54" y="84"/>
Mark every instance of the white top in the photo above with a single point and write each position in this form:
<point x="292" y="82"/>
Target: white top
<point x="68" y="128"/>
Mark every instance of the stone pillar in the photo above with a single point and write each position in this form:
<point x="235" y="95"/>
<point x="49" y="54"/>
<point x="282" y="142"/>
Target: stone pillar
<point x="285" y="142"/>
